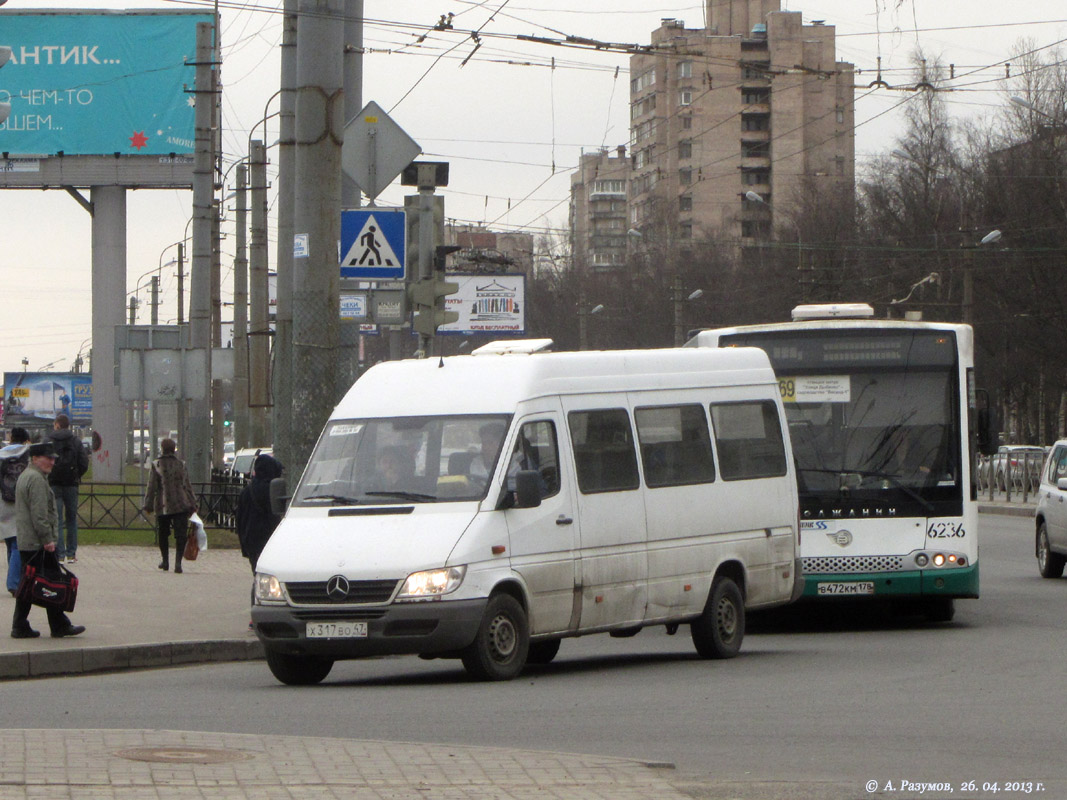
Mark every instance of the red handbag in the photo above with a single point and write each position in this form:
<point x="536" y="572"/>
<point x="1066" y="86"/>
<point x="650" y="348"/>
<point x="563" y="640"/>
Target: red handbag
<point x="52" y="586"/>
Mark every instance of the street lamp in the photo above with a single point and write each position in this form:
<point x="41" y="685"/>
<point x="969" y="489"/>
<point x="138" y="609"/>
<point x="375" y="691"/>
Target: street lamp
<point x="583" y="340"/>
<point x="755" y="197"/>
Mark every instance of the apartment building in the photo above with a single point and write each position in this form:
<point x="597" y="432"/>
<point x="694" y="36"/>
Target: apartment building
<point x="599" y="213"/>
<point x="754" y="102"/>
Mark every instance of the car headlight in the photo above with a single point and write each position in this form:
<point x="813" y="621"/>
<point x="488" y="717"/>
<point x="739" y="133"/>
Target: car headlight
<point x="432" y="582"/>
<point x="269" y="589"/>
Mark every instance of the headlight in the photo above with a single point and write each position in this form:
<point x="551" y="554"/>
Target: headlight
<point x="433" y="582"/>
<point x="269" y="589"/>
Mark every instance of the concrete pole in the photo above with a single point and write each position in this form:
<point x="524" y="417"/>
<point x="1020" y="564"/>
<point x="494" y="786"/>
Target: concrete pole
<point x="240" y="315"/>
<point x="282" y="372"/>
<point x="316" y="275"/>
<point x="259" y="341"/>
<point x="348" y="357"/>
<point x="217" y="404"/>
<point x="181" y="320"/>
<point x="109" y="289"/>
<point x="198" y="454"/>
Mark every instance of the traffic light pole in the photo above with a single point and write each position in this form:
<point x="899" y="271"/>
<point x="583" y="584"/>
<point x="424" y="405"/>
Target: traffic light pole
<point x="425" y="247"/>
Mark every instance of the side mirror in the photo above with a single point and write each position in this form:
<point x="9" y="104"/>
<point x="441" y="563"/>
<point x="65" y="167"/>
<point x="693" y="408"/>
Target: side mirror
<point x="527" y="488"/>
<point x="986" y="433"/>
<point x="279" y="496"/>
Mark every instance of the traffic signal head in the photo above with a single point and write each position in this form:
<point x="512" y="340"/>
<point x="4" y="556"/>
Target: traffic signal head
<point x="428" y="296"/>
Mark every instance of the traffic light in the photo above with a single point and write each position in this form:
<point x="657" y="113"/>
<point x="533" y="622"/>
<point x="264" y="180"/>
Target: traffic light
<point x="428" y="296"/>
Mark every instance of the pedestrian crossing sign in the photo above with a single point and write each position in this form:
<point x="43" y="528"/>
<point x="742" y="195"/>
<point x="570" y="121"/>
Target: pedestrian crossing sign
<point x="373" y="244"/>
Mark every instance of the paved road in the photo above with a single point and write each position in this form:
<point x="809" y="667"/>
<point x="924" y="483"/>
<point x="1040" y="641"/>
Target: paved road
<point x="814" y="708"/>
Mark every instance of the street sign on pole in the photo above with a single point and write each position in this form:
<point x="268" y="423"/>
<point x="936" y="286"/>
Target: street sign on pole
<point x="373" y="244"/>
<point x="375" y="150"/>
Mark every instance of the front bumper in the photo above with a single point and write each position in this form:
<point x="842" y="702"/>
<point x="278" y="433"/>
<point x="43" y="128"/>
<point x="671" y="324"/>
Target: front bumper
<point x="427" y="628"/>
<point x="932" y="582"/>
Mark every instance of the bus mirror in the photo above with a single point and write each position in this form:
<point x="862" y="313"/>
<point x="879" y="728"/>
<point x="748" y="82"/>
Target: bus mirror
<point x="279" y="496"/>
<point x="527" y="489"/>
<point x="986" y="432"/>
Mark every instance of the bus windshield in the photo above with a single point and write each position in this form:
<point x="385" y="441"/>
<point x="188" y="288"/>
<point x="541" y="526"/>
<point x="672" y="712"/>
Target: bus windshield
<point x="403" y="460"/>
<point x="873" y="419"/>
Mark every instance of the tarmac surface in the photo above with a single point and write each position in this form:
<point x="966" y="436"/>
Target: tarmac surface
<point x="147" y="618"/>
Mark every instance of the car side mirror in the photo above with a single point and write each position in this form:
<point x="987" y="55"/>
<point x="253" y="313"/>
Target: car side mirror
<point x="527" y="488"/>
<point x="279" y="496"/>
<point x="1061" y="484"/>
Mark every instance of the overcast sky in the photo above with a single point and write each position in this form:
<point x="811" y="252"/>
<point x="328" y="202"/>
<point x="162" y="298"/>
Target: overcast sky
<point x="510" y="121"/>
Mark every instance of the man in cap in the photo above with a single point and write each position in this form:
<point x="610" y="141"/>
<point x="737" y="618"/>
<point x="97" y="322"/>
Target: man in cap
<point x="38" y="526"/>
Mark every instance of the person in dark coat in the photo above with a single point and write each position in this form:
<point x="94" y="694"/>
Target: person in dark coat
<point x="255" y="520"/>
<point x="171" y="498"/>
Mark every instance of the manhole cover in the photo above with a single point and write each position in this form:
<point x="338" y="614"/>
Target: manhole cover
<point x="182" y="755"/>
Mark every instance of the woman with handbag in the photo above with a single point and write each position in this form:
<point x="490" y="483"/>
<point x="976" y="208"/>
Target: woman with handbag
<point x="38" y="530"/>
<point x="171" y="498"/>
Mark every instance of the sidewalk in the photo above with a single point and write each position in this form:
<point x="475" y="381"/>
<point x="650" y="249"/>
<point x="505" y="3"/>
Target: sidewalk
<point x="137" y="616"/>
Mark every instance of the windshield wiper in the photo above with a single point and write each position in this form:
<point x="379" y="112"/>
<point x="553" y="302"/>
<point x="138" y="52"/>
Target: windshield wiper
<point x="338" y="499"/>
<point x="413" y="496"/>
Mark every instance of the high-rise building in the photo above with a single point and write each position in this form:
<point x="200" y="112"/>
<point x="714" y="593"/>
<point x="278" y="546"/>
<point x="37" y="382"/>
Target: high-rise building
<point x="754" y="102"/>
<point x="598" y="223"/>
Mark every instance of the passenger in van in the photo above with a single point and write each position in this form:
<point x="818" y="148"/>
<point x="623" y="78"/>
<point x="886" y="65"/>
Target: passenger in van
<point x="395" y="470"/>
<point x="491" y="435"/>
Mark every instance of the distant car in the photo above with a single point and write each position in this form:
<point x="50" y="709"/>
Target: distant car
<point x="227" y="453"/>
<point x="1050" y="544"/>
<point x="245" y="458"/>
<point x="1020" y="461"/>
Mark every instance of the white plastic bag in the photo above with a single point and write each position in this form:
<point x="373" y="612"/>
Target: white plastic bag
<point x="198" y="526"/>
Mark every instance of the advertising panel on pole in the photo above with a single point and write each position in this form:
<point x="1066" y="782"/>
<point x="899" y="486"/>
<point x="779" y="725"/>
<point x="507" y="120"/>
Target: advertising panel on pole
<point x="487" y="304"/>
<point x="99" y="82"/>
<point x="32" y="397"/>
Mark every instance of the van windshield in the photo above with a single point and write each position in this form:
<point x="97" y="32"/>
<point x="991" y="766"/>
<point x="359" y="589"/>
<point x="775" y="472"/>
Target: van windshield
<point x="433" y="459"/>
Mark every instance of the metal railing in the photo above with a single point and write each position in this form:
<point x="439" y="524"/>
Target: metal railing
<point x="1001" y="479"/>
<point x="117" y="506"/>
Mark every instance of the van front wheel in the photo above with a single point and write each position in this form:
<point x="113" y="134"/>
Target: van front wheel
<point x="498" y="652"/>
<point x="718" y="632"/>
<point x="298" y="670"/>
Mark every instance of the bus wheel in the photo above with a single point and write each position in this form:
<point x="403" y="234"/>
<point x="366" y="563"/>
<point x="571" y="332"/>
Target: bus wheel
<point x="498" y="652"/>
<point x="298" y="670"/>
<point x="542" y="652"/>
<point x="717" y="633"/>
<point x="1049" y="564"/>
<point x="939" y="609"/>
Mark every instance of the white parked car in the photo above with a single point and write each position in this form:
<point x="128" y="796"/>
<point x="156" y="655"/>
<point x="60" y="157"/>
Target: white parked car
<point x="1019" y="461"/>
<point x="1051" y="515"/>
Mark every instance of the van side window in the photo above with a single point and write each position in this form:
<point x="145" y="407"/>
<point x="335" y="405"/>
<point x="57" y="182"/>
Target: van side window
<point x="748" y="439"/>
<point x="604" y="456"/>
<point x="675" y="445"/>
<point x="536" y="449"/>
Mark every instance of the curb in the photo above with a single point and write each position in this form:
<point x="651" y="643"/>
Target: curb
<point x="1005" y="510"/>
<point x="135" y="656"/>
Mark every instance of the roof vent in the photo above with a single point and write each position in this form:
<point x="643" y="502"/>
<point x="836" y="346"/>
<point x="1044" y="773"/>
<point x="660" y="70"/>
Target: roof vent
<point x="512" y="347"/>
<point x="833" y="311"/>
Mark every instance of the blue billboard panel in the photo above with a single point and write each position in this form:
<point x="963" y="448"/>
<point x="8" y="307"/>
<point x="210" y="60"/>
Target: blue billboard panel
<point x="33" y="396"/>
<point x="98" y="83"/>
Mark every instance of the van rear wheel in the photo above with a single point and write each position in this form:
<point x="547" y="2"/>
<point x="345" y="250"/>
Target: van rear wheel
<point x="717" y="633"/>
<point x="499" y="650"/>
<point x="298" y="670"/>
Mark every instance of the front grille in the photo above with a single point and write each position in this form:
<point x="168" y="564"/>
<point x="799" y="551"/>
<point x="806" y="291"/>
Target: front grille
<point x="842" y="564"/>
<point x="314" y="592"/>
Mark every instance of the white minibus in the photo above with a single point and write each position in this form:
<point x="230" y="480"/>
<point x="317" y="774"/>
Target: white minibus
<point x="486" y="506"/>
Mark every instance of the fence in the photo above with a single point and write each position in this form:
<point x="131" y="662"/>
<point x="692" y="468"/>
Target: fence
<point x="1011" y="479"/>
<point x="117" y="506"/>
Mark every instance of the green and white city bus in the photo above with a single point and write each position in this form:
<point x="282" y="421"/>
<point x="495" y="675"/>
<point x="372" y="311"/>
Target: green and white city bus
<point x="885" y="427"/>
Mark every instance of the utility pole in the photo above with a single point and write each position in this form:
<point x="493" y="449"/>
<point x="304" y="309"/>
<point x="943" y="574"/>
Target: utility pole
<point x="282" y="373"/>
<point x="348" y="361"/>
<point x="316" y="221"/>
<point x="259" y="343"/>
<point x="198" y="454"/>
<point x="240" y="314"/>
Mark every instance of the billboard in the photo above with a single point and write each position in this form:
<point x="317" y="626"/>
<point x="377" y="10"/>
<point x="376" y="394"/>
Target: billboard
<point x="487" y="304"/>
<point x="34" y="396"/>
<point x="98" y="83"/>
